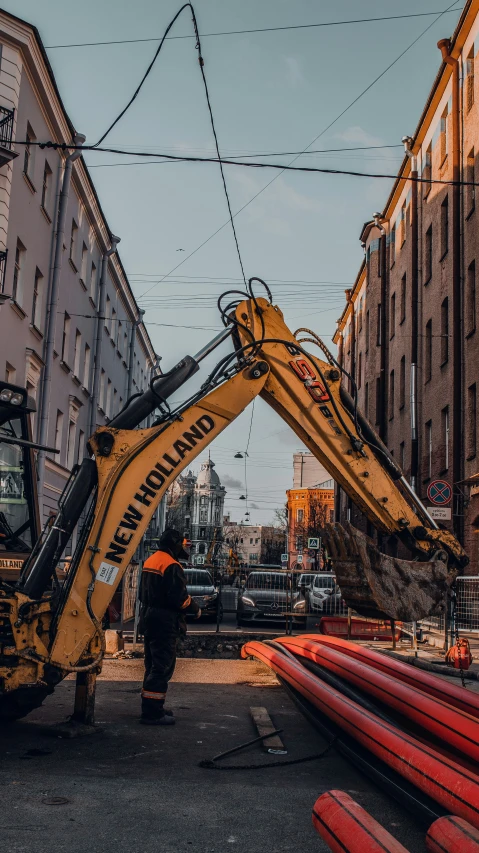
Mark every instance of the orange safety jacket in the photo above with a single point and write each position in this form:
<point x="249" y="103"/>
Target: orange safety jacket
<point x="163" y="586"/>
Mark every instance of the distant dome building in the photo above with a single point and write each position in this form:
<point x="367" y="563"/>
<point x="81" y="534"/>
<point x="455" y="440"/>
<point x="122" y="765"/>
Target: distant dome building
<point x="195" y="507"/>
<point x="208" y="506"/>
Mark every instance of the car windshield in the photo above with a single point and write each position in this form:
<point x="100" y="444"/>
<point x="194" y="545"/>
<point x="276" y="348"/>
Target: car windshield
<point x="195" y="577"/>
<point x="305" y="580"/>
<point x="265" y="580"/>
<point x="324" y="582"/>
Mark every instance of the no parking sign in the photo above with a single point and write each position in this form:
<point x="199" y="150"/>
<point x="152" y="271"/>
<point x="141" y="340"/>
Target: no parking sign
<point x="439" y="492"/>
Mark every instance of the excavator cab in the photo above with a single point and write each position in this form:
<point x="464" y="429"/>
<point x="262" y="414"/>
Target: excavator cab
<point x="19" y="517"/>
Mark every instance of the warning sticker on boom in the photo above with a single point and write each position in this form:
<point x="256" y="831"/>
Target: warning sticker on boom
<point x="107" y="573"/>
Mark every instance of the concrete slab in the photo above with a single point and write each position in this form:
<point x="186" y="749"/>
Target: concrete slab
<point x="140" y="790"/>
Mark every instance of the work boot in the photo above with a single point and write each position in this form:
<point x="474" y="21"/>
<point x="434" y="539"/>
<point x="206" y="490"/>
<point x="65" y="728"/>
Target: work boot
<point x="165" y="720"/>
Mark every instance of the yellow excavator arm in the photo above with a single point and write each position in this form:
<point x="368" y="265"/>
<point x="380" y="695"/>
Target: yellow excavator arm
<point x="133" y="468"/>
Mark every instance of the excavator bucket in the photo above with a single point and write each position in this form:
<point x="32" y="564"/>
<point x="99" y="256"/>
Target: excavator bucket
<point x="374" y="584"/>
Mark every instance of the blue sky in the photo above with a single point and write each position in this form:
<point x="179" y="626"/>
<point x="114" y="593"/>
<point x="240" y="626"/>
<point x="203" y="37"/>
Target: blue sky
<point x="270" y="92"/>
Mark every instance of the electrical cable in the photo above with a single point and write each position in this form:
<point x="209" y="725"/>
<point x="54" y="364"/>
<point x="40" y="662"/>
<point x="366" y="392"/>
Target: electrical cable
<point x="257" y="30"/>
<point x="210" y="110"/>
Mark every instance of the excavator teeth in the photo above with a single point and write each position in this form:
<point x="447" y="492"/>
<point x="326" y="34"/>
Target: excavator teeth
<point x="376" y="585"/>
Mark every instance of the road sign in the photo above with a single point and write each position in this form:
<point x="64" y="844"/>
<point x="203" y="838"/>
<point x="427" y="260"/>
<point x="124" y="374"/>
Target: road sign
<point x="313" y="542"/>
<point x="439" y="492"/>
<point x="299" y="558"/>
<point x="440" y="513"/>
<point x="284" y="558"/>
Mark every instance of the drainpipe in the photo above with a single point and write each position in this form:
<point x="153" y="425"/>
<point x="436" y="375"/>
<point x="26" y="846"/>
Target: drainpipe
<point x="383" y="421"/>
<point x="408" y="143"/>
<point x="50" y="326"/>
<point x="99" y="332"/>
<point x="352" y="365"/>
<point x="457" y="398"/>
<point x="131" y="352"/>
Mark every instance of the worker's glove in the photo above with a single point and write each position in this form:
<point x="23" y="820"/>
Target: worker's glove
<point x="198" y="614"/>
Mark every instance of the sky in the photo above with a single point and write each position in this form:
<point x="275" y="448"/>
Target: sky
<point x="271" y="92"/>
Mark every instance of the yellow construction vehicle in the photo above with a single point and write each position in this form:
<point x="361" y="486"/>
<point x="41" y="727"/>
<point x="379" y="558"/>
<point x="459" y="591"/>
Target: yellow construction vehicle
<point x="46" y="633"/>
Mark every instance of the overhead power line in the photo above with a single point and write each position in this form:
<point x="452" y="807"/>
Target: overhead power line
<point x="250" y="31"/>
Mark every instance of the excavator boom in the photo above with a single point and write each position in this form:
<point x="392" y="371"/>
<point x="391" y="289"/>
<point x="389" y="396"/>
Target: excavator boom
<point x="44" y="637"/>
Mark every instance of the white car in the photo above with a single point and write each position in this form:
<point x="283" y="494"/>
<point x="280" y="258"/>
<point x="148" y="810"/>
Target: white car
<point x="319" y="592"/>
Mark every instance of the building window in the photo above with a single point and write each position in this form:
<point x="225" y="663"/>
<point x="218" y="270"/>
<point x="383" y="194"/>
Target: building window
<point x="428" y="447"/>
<point x="402" y="382"/>
<point x="402" y="308"/>
<point x="445" y="437"/>
<point x="17" y="284"/>
<point x="81" y="447"/>
<point x="360" y="369"/>
<point x="360" y="315"/>
<point x="119" y="337"/>
<point x="83" y="265"/>
<point x="391" y="395"/>
<point x="10" y="374"/>
<point x="29" y="153"/>
<point x="444" y="227"/>
<point x="93" y="283"/>
<point x="73" y="243"/>
<point x="108" y="399"/>
<point x="86" y="367"/>
<point x="299" y="515"/>
<point x="113" y="325"/>
<point x="47" y="188"/>
<point x="378" y="330"/>
<point x="428" y="353"/>
<point x="378" y="400"/>
<point x="471" y="299"/>
<point x="402" y="225"/>
<point x="470" y="178"/>
<point x="366" y="399"/>
<point x="470" y="79"/>
<point x="58" y="431"/>
<point x="402" y="455"/>
<point x="428" y="255"/>
<point x="471" y="421"/>
<point x="65" y="338"/>
<point x="101" y="396"/>
<point x="392" y="246"/>
<point x="444" y="140"/>
<point x="392" y="317"/>
<point x="77" y="354"/>
<point x="427" y="170"/>
<point x="37" y="303"/>
<point x="71" y="444"/>
<point x="444" y="331"/>
<point x="367" y="332"/>
<point x="107" y="314"/>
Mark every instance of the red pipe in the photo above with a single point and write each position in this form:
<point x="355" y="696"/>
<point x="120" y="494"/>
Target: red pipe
<point x="434" y="685"/>
<point x="348" y="828"/>
<point x="457" y="729"/>
<point x="456" y="788"/>
<point x="452" y="835"/>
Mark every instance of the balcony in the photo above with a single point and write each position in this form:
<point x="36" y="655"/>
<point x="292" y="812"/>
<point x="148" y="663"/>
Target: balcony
<point x="6" y="135"/>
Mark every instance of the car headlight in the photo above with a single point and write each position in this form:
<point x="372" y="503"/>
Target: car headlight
<point x="300" y="605"/>
<point x="248" y="601"/>
<point x="210" y="597"/>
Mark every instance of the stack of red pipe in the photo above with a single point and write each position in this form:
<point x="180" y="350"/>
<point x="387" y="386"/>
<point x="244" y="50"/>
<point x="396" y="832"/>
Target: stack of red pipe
<point x="438" y="710"/>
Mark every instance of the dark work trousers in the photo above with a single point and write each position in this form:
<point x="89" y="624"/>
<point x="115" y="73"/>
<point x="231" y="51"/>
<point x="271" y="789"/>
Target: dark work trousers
<point x="160" y="660"/>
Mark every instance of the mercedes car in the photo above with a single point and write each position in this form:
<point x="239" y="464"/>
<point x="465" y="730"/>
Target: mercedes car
<point x="200" y="586"/>
<point x="266" y="597"/>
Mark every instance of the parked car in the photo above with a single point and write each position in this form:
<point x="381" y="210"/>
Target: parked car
<point x="265" y="597"/>
<point x="320" y="590"/>
<point x="301" y="597"/>
<point x="200" y="586"/>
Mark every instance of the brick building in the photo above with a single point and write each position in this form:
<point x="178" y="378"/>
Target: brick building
<point x="409" y="332"/>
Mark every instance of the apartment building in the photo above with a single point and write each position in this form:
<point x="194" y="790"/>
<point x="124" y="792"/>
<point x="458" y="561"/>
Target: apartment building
<point x="409" y="331"/>
<point x="70" y="328"/>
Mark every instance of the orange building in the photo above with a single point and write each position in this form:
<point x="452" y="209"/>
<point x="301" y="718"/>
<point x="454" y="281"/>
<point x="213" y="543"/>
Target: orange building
<point x="308" y="511"/>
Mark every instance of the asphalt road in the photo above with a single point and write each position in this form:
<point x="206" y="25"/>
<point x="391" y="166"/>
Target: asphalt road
<point x="229" y="624"/>
<point x="140" y="790"/>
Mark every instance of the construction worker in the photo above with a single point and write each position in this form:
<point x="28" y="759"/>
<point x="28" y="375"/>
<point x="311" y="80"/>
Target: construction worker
<point x="164" y="605"/>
